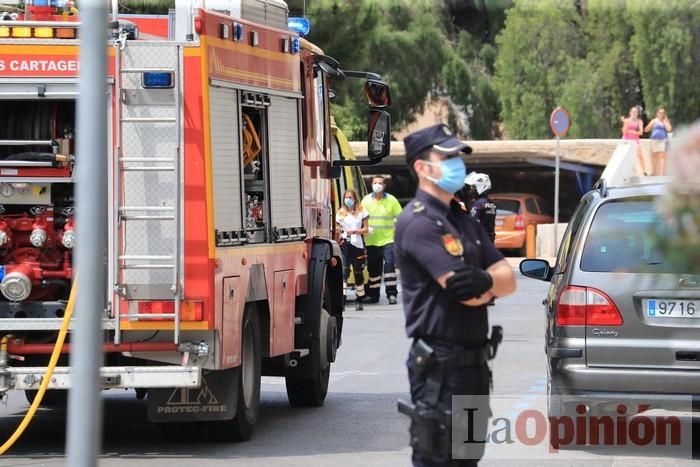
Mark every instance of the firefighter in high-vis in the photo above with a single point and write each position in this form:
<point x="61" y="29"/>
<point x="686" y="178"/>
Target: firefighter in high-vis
<point x="449" y="272"/>
<point x="481" y="207"/>
<point x="383" y="208"/>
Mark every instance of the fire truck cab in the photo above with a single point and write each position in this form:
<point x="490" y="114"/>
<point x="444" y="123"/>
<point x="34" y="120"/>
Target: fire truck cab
<point x="221" y="264"/>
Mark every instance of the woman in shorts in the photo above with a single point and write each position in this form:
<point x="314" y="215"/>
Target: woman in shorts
<point x="632" y="129"/>
<point x="660" y="127"/>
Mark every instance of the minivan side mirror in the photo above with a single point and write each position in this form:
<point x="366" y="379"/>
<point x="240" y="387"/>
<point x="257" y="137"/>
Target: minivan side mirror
<point x="536" y="269"/>
<point x="379" y="135"/>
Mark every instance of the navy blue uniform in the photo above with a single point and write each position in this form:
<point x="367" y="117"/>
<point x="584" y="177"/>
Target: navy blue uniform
<point x="484" y="211"/>
<point x="426" y="247"/>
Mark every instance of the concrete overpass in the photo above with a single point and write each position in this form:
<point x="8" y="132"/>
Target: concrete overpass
<point x="592" y="152"/>
<point x="515" y="166"/>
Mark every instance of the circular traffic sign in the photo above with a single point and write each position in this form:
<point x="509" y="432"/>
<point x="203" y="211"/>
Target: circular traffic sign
<point x="559" y="122"/>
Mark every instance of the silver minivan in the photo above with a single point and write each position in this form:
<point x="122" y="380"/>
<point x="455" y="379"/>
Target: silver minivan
<point x="622" y="322"/>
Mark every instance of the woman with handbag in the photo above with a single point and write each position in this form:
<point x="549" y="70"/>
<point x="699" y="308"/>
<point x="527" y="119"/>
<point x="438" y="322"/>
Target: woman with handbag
<point x="352" y="219"/>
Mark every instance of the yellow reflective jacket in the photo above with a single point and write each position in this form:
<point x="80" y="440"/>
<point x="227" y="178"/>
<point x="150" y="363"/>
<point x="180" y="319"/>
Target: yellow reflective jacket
<point x="382" y="217"/>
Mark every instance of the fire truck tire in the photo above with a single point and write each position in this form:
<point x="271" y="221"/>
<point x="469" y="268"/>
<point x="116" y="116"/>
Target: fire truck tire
<point x="249" y="378"/>
<point x="312" y="391"/>
<point x="52" y="398"/>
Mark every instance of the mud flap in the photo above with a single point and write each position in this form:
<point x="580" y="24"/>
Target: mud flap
<point x="215" y="399"/>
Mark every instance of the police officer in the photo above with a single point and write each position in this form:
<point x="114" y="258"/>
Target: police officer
<point x="449" y="272"/>
<point x="482" y="208"/>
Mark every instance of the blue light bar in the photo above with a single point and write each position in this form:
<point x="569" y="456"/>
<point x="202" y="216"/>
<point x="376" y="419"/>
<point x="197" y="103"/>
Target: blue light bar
<point x="299" y="25"/>
<point x="237" y="32"/>
<point x="157" y="80"/>
<point x="296" y="45"/>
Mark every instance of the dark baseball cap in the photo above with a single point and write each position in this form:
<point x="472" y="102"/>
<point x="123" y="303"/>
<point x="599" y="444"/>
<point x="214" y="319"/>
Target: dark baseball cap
<point x="438" y="138"/>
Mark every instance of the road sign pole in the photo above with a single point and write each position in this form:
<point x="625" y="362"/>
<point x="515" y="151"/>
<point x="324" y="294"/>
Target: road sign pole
<point x="84" y="406"/>
<point x="556" y="196"/>
<point x="559" y="123"/>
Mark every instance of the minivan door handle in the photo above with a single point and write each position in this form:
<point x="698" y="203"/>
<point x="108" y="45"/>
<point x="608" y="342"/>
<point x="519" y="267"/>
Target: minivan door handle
<point x="686" y="356"/>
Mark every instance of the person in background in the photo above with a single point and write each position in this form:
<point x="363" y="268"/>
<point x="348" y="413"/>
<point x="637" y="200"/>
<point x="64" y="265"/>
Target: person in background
<point x="383" y="209"/>
<point x="352" y="219"/>
<point x="660" y="127"/>
<point x="632" y="130"/>
<point x="482" y="209"/>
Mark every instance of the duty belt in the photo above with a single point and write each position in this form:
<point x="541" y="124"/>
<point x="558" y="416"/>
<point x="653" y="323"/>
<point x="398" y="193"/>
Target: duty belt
<point x="461" y="356"/>
<point x="468" y="357"/>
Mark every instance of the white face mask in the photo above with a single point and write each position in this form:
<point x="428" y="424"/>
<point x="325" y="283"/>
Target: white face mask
<point x="377" y="187"/>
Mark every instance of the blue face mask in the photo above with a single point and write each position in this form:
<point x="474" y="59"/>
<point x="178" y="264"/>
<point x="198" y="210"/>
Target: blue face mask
<point x="453" y="173"/>
<point x="349" y="202"/>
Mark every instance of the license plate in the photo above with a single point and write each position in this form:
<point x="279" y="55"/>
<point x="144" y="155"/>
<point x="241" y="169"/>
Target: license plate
<point x="499" y="222"/>
<point x="672" y="308"/>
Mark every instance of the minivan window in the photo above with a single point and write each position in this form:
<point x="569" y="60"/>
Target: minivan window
<point x="507" y="207"/>
<point x="622" y="238"/>
<point x="572" y="230"/>
<point x="531" y="206"/>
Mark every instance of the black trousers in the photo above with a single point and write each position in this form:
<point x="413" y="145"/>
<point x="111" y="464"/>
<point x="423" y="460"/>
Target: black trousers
<point x="355" y="257"/>
<point x="381" y="259"/>
<point x="457" y="381"/>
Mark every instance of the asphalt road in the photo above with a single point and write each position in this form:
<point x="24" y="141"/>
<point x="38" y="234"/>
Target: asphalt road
<point x="358" y="425"/>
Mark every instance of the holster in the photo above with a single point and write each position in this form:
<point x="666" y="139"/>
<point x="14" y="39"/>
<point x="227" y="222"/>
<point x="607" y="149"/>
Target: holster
<point x="430" y="425"/>
<point x="423" y="357"/>
<point x="494" y="341"/>
<point x="430" y="430"/>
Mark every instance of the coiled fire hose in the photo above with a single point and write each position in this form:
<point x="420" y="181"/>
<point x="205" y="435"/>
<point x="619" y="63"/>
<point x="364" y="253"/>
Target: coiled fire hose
<point x="49" y="371"/>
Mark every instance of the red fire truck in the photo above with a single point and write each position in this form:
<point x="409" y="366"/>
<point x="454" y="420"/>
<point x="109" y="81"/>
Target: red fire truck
<point x="221" y="263"/>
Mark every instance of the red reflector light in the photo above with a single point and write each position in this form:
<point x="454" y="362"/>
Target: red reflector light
<point x="189" y="311"/>
<point x="153" y="308"/>
<point x="586" y="306"/>
<point x="519" y="222"/>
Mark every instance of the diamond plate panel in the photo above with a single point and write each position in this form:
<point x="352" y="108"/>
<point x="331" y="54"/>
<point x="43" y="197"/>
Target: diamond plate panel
<point x="153" y="188"/>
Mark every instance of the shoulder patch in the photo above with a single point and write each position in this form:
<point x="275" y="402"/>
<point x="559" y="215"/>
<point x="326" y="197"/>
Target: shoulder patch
<point x="417" y="207"/>
<point x="452" y="245"/>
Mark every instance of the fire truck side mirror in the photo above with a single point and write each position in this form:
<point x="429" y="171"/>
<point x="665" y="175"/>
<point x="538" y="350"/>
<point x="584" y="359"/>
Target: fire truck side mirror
<point x="378" y="94"/>
<point x="379" y="134"/>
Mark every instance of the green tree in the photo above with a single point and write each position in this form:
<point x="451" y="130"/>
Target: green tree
<point x="604" y="83"/>
<point x="402" y="40"/>
<point x="156" y="7"/>
<point x="540" y="40"/>
<point x="665" y="50"/>
<point x="468" y="83"/>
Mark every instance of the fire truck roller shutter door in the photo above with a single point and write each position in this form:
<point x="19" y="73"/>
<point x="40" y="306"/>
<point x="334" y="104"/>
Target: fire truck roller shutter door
<point x="285" y="171"/>
<point x="226" y="160"/>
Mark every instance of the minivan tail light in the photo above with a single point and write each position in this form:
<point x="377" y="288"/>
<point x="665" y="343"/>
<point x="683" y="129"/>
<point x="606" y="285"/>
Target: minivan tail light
<point x="571" y="307"/>
<point x="519" y="222"/>
<point x="601" y="310"/>
<point x="586" y="306"/>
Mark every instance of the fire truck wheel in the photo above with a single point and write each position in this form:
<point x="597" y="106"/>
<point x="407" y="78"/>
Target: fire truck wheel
<point x="249" y="380"/>
<point x="52" y="398"/>
<point x="311" y="391"/>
